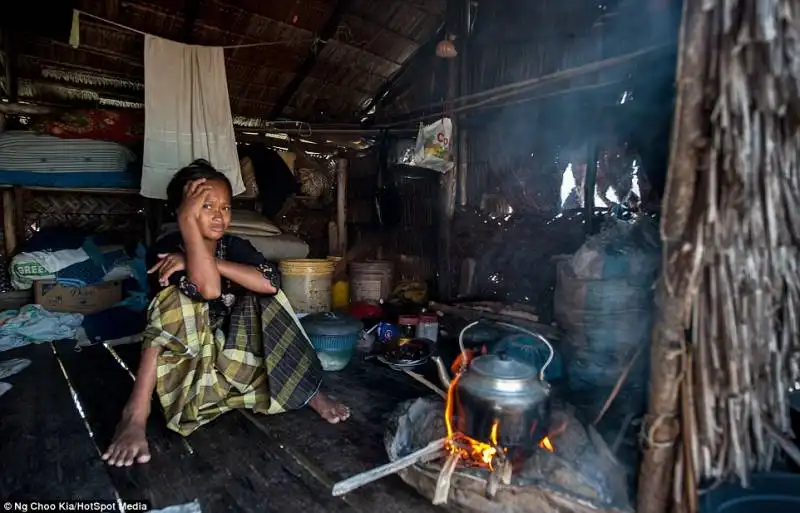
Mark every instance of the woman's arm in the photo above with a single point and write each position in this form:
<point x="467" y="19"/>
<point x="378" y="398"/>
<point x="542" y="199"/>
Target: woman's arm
<point x="201" y="265"/>
<point x="253" y="278"/>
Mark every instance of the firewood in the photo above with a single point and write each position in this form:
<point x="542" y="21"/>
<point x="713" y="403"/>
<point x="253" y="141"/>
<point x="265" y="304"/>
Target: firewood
<point x="505" y="311"/>
<point x="427" y="383"/>
<point x="492" y="484"/>
<point x="507" y="472"/>
<point x="443" y="483"/>
<point x="431" y="451"/>
<point x="475" y="315"/>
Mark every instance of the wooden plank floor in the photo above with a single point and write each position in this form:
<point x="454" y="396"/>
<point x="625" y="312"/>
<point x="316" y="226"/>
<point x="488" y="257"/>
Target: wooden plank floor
<point x="45" y="449"/>
<point x="239" y="462"/>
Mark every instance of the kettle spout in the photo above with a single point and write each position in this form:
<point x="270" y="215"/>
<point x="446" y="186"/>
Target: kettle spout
<point x="441" y="369"/>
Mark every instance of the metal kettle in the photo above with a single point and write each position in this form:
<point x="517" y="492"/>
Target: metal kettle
<point x="495" y="389"/>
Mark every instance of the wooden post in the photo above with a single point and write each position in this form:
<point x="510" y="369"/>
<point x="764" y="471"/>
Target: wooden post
<point x="12" y="84"/>
<point x="463" y="158"/>
<point x="662" y="425"/>
<point x="19" y="213"/>
<point x="9" y="223"/>
<point x="462" y="141"/>
<point x="447" y="182"/>
<point x="341" y="205"/>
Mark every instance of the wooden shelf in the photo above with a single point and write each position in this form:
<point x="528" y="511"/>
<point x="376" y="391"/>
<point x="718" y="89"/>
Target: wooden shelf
<point x="82" y="190"/>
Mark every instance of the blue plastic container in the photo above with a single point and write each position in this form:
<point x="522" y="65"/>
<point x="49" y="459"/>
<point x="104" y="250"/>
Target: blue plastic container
<point x="768" y="493"/>
<point x="334" y="337"/>
<point x="527" y="349"/>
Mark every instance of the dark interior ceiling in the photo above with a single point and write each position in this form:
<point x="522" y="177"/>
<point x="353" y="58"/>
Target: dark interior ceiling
<point x="329" y="60"/>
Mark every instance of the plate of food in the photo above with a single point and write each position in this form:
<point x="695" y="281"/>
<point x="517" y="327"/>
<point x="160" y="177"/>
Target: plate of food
<point x="409" y="355"/>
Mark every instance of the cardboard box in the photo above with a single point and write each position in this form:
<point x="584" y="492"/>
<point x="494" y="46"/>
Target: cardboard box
<point x="83" y="300"/>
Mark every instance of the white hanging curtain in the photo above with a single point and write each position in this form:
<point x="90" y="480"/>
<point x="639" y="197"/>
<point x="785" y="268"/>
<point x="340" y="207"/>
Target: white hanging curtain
<point x="187" y="114"/>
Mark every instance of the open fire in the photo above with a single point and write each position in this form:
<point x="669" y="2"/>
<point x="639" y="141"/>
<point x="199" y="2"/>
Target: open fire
<point x="470" y="450"/>
<point x="581" y="476"/>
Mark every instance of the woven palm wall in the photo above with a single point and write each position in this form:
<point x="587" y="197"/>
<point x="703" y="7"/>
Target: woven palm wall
<point x="100" y="213"/>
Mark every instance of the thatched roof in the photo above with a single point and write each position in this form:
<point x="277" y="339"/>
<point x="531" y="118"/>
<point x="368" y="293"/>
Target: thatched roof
<point x="334" y="59"/>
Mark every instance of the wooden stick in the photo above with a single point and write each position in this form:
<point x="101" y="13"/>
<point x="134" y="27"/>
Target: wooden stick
<point x="431" y="451"/>
<point x="443" y="483"/>
<point x="507" y="472"/>
<point x="427" y="383"/>
<point x="787" y="445"/>
<point x="508" y="312"/>
<point x="618" y="386"/>
<point x="626" y="422"/>
<point x="493" y="483"/>
<point x="475" y="315"/>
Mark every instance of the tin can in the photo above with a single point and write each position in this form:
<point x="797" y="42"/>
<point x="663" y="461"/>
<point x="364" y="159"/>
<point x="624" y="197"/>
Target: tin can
<point x="407" y="327"/>
<point x="387" y="332"/>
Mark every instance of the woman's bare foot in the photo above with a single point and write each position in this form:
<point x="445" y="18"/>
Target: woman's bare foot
<point x="329" y="409"/>
<point x="129" y="445"/>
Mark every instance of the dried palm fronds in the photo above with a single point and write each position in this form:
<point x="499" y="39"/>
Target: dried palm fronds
<point x="744" y="226"/>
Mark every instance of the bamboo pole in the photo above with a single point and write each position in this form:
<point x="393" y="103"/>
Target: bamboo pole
<point x="662" y="425"/>
<point x="341" y="206"/>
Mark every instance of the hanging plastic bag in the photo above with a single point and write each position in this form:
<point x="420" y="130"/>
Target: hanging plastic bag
<point x="433" y="146"/>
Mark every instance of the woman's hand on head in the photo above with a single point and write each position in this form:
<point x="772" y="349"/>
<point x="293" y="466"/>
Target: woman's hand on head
<point x="168" y="264"/>
<point x="194" y="197"/>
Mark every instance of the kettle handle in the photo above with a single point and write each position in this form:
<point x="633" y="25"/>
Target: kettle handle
<point x="539" y="337"/>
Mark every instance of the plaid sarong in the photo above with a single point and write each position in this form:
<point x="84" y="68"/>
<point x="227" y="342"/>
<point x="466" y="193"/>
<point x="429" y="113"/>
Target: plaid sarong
<point x="265" y="362"/>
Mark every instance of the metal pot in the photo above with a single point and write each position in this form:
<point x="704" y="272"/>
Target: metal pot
<point x="496" y="388"/>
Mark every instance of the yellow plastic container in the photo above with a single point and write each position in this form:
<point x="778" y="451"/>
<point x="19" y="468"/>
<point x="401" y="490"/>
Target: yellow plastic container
<point x="307" y="284"/>
<point x="340" y="297"/>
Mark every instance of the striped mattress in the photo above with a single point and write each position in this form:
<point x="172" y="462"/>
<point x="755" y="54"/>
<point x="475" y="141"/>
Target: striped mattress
<point x="27" y="158"/>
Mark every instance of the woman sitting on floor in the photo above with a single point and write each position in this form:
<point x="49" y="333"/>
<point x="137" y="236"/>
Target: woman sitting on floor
<point x="221" y="334"/>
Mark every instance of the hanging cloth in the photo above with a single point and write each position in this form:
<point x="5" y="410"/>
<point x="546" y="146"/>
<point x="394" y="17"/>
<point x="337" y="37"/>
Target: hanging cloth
<point x="187" y="114"/>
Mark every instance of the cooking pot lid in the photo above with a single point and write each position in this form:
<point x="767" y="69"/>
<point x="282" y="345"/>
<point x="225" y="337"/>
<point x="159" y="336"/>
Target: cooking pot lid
<point x="501" y="366"/>
<point x="329" y="324"/>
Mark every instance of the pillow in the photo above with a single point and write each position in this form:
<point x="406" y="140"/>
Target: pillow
<point x="243" y="222"/>
<point x="253" y="221"/>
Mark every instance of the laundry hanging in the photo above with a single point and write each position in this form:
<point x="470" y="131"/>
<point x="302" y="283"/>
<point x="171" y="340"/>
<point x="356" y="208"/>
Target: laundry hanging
<point x="187" y="114"/>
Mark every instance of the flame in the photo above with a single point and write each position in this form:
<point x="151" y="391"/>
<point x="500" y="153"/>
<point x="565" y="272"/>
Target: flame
<point x="461" y="361"/>
<point x="466" y="447"/>
<point x="546" y="443"/>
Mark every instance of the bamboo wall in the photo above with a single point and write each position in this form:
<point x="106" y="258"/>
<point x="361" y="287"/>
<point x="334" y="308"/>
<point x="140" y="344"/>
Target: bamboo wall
<point x="520" y="145"/>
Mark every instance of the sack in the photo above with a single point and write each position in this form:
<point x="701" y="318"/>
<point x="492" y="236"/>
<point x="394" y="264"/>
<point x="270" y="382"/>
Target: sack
<point x="433" y="146"/>
<point x="604" y="302"/>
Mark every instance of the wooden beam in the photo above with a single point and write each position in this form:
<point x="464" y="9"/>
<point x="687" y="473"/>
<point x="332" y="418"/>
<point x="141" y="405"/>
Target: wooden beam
<point x="191" y="10"/>
<point x="384" y="93"/>
<point x="308" y="63"/>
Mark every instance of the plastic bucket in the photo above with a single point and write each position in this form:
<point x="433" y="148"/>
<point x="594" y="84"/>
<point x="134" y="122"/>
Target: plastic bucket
<point x="307" y="284"/>
<point x="371" y="281"/>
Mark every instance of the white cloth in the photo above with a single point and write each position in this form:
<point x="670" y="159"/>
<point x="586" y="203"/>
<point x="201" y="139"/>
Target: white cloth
<point x="187" y="114"/>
